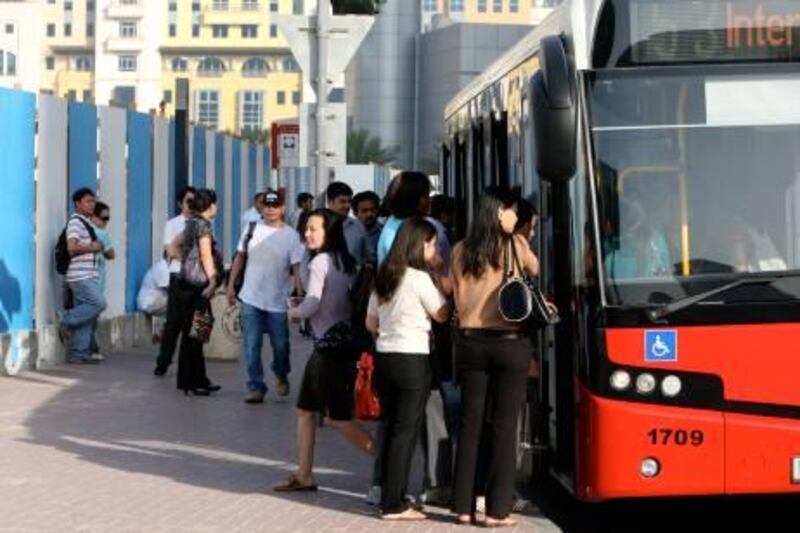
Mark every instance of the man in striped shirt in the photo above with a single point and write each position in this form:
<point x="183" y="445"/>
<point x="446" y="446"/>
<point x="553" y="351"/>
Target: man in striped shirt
<point x="83" y="278"/>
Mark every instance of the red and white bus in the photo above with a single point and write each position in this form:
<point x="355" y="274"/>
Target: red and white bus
<point x="660" y="141"/>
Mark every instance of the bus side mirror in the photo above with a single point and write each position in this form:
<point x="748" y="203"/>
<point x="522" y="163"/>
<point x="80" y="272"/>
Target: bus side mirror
<point x="554" y="113"/>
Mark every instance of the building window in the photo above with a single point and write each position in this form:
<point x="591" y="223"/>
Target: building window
<point x="290" y="65"/>
<point x="127" y="29"/>
<point x="219" y="31"/>
<point x="90" y="29"/>
<point x="255" y="67"/>
<point x="90" y="5"/>
<point x="10" y="61"/>
<point x="457" y="6"/>
<point x="83" y="63"/>
<point x="50" y="62"/>
<point x="173" y="7"/>
<point x="220" y="5"/>
<point x="51" y="30"/>
<point x="195" y="30"/>
<point x="273" y="6"/>
<point x="249" y="31"/>
<point x="513" y="6"/>
<point x="71" y="95"/>
<point x="252" y="110"/>
<point x="281" y="97"/>
<point x="167" y="97"/>
<point x="173" y="30"/>
<point x="211" y="67"/>
<point x="87" y="96"/>
<point x="481" y="6"/>
<point x="431" y="5"/>
<point x="68" y="6"/>
<point x="180" y="64"/>
<point x="127" y="63"/>
<point x="296" y="97"/>
<point x="250" y="5"/>
<point x="195" y="6"/>
<point x="273" y="30"/>
<point x="498" y="6"/>
<point x="208" y="108"/>
<point x="9" y="29"/>
<point x="67" y="30"/>
<point x="298" y="7"/>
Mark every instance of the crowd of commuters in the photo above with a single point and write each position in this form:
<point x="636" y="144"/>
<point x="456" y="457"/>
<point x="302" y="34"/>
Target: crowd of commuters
<point x="449" y="370"/>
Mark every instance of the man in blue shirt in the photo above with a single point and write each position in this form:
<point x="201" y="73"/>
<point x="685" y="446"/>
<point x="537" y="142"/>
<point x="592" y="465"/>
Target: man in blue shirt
<point x="102" y="214"/>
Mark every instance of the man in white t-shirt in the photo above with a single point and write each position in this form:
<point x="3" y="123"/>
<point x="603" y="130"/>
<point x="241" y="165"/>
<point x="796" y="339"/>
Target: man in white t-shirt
<point x="172" y="327"/>
<point x="269" y="258"/>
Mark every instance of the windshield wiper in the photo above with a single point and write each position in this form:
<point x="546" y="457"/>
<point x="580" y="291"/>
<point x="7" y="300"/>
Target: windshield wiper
<point x="683" y="303"/>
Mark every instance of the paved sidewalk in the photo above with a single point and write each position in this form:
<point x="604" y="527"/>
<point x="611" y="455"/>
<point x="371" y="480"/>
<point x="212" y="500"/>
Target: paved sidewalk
<point x="111" y="448"/>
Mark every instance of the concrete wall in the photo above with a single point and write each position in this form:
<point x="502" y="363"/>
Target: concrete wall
<point x="450" y="58"/>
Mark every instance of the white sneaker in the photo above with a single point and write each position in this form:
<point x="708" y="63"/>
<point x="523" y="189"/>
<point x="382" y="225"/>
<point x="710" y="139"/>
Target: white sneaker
<point x="480" y="504"/>
<point x="373" y="496"/>
<point x="97" y="357"/>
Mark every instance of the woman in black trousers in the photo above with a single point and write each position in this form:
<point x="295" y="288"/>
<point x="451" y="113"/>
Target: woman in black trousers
<point x="192" y="378"/>
<point x="400" y="310"/>
<point x="492" y="356"/>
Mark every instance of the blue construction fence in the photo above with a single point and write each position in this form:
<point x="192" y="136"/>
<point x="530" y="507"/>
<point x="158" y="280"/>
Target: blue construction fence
<point x="50" y="147"/>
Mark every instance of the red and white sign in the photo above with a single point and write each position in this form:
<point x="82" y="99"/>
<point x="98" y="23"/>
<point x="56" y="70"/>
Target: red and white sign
<point x="285" y="145"/>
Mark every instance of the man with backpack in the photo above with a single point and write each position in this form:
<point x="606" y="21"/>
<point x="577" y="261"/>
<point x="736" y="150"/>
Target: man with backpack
<point x="268" y="253"/>
<point x="76" y="257"/>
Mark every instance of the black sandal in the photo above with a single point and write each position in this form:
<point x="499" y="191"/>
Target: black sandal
<point x="293" y="485"/>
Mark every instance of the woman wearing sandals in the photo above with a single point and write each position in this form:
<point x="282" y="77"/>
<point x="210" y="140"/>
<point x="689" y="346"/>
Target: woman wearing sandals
<point x="400" y="310"/>
<point x="492" y="356"/>
<point x="330" y="373"/>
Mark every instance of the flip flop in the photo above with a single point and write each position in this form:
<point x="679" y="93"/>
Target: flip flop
<point x="495" y="522"/>
<point x="293" y="485"/>
<point x="409" y="515"/>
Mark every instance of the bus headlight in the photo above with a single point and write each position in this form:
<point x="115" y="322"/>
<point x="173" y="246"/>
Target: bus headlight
<point x="671" y="386"/>
<point x="620" y="380"/>
<point x="650" y="468"/>
<point x="645" y="383"/>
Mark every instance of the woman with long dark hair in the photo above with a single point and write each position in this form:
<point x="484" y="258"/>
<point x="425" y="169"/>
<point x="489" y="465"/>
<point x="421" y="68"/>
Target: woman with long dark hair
<point x="492" y="355"/>
<point x="198" y="233"/>
<point x="400" y="310"/>
<point x="330" y="373"/>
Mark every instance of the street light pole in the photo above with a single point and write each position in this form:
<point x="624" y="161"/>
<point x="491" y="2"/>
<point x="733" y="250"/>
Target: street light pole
<point x="323" y="22"/>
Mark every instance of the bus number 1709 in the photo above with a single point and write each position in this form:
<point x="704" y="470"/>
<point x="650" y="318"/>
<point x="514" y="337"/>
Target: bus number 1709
<point x="679" y="437"/>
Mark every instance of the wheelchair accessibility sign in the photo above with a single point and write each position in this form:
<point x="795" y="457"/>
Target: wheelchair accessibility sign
<point x="661" y="346"/>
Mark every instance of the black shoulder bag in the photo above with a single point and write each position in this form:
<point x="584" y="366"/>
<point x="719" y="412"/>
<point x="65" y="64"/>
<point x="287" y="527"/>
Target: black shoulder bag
<point x="520" y="299"/>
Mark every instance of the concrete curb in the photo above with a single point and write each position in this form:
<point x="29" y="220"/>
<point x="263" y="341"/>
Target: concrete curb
<point x="41" y="349"/>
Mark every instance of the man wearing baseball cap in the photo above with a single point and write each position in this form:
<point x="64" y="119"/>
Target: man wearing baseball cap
<point x="268" y="254"/>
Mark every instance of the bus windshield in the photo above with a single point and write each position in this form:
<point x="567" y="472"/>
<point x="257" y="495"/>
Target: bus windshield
<point x="697" y="176"/>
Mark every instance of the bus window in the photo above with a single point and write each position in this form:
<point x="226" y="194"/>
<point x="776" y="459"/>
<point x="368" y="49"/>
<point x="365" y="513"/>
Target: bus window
<point x="697" y="175"/>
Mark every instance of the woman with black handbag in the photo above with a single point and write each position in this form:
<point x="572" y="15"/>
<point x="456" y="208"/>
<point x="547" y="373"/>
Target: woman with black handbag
<point x="330" y="373"/>
<point x="198" y="280"/>
<point x="492" y="354"/>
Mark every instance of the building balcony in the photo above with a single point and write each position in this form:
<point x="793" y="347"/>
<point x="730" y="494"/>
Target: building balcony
<point x="124" y="44"/>
<point x="231" y="14"/>
<point x="125" y="9"/>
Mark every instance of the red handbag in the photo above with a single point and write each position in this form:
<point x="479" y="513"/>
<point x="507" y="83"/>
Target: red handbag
<point x="368" y="406"/>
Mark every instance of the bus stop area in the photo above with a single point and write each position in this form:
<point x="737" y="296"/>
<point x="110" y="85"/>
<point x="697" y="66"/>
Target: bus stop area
<point x="111" y="448"/>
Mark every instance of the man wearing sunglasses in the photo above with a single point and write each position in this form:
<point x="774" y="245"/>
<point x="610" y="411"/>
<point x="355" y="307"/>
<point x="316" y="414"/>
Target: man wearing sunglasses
<point x="172" y="327"/>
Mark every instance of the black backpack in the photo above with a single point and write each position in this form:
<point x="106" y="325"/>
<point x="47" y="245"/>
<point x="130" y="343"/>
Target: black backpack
<point x="62" y="253"/>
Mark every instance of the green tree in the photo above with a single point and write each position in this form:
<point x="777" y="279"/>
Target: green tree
<point x="363" y="149"/>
